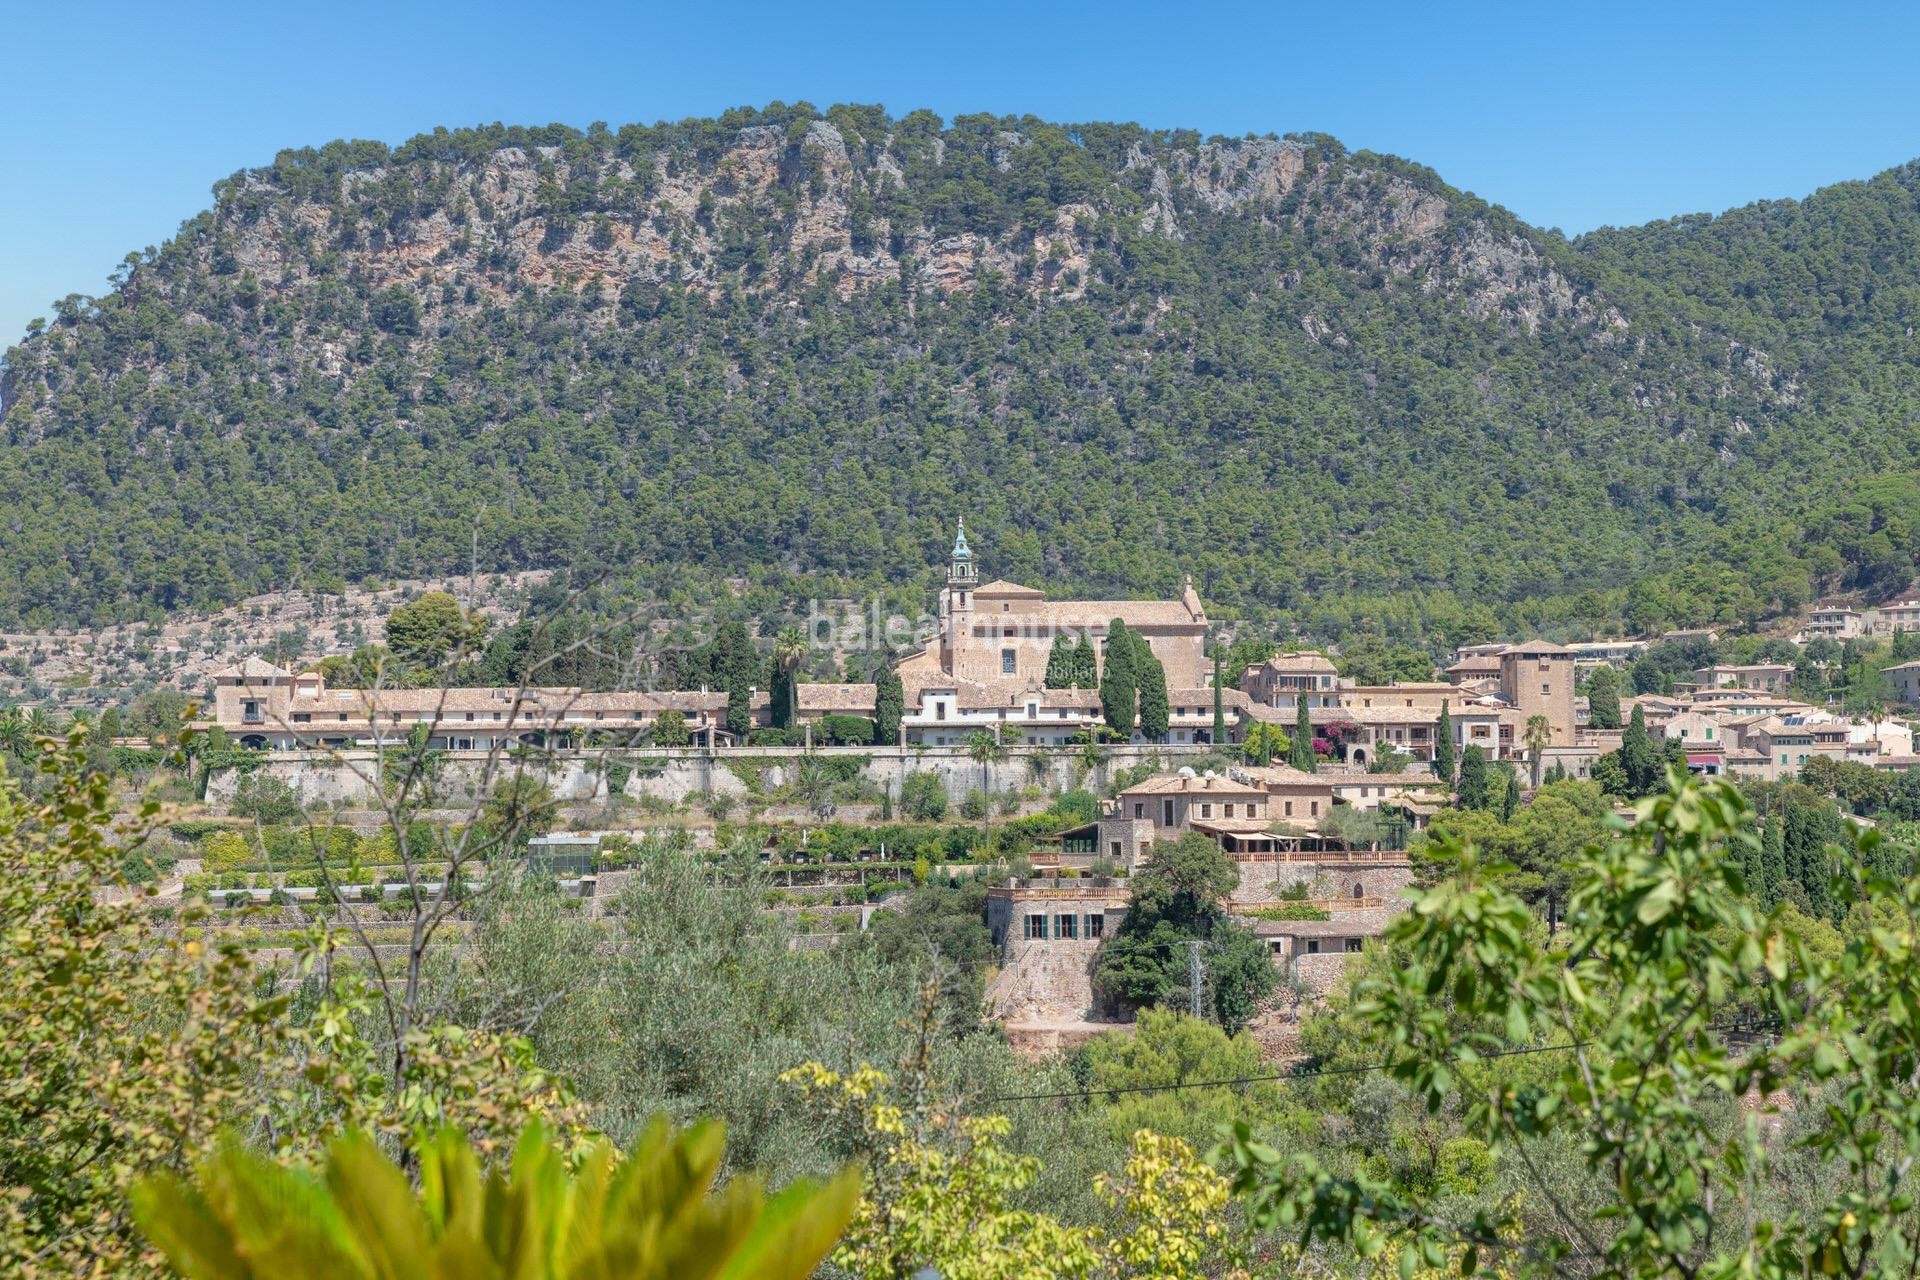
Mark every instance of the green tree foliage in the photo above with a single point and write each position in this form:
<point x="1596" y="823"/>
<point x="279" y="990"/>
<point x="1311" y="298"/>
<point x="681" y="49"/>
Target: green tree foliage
<point x="544" y="424"/>
<point x="1367" y="658"/>
<point x="735" y="666"/>
<point x="1658" y="667"/>
<point x="651" y="1215"/>
<point x="1167" y="1049"/>
<point x="1062" y="662"/>
<point x="266" y="799"/>
<point x="1475" y="788"/>
<point x="1265" y="743"/>
<point x="1176" y="897"/>
<point x="1603" y="698"/>
<point x="1640" y="761"/>
<point x="1509" y="796"/>
<point x="923" y="796"/>
<point x="520" y="807"/>
<point x="1443" y="757"/>
<point x="789" y="650"/>
<point x="670" y="729"/>
<point x="1862" y="788"/>
<point x="1904" y="801"/>
<point x="159" y="714"/>
<point x="1630" y="1078"/>
<point x="429" y="630"/>
<point x="1120" y="680"/>
<point x="1771" y="886"/>
<point x="1300" y="750"/>
<point x="1155" y="711"/>
<point x="890" y="705"/>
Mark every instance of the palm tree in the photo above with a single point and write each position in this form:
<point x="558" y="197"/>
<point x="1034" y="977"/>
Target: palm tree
<point x="1538" y="736"/>
<point x="986" y="750"/>
<point x="16" y="735"/>
<point x="789" y="648"/>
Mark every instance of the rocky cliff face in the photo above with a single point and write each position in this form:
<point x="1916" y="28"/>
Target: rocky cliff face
<point x="778" y="210"/>
<point x="790" y="342"/>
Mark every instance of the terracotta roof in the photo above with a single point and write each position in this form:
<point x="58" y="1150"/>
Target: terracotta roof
<point x="1232" y="826"/>
<point x="1301" y="660"/>
<point x="251" y="668"/>
<point x="976" y="696"/>
<point x="1085" y="614"/>
<point x="1001" y="587"/>
<point x="1266" y="774"/>
<point x="1401" y="715"/>
<point x="836" y="697"/>
<point x="1341" y="926"/>
<point x="1382" y="779"/>
<point x="1181" y="784"/>
<point x="528" y="703"/>
<point x="1536" y="646"/>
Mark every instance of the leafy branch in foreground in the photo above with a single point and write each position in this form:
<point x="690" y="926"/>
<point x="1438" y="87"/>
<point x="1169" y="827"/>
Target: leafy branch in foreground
<point x="1662" y="949"/>
<point x="651" y="1215"/>
<point x="942" y="1185"/>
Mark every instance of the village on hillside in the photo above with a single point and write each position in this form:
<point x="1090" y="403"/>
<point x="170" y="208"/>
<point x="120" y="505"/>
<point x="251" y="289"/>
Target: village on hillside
<point x="1094" y="731"/>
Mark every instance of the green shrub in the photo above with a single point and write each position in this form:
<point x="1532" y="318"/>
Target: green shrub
<point x="923" y="796"/>
<point x="844" y="731"/>
<point x="225" y="850"/>
<point x="1291" y="911"/>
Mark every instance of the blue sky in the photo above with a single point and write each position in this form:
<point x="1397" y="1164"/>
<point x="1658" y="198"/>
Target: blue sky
<point x="118" y="118"/>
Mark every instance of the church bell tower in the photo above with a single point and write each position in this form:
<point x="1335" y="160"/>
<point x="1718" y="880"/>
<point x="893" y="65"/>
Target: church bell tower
<point x="956" y="603"/>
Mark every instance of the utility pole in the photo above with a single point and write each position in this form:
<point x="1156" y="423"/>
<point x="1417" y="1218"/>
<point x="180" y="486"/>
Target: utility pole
<point x="1196" y="977"/>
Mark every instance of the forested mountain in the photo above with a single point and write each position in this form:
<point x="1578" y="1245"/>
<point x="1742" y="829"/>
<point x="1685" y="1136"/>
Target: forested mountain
<point x="795" y="345"/>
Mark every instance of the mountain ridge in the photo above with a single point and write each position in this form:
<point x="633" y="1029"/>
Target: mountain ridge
<point x="991" y="314"/>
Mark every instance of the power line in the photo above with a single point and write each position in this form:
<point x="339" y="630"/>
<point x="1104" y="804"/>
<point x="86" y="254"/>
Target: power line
<point x="1315" y="1074"/>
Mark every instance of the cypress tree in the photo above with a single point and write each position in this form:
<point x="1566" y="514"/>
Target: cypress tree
<point x="1603" y="699"/>
<point x="1086" y="664"/>
<point x="736" y="666"/>
<point x="1219" y="710"/>
<point x="1300" y="753"/>
<point x="1443" y="746"/>
<point x="1151" y="676"/>
<point x="1638" y="756"/>
<point x="1510" y="799"/>
<point x="1118" y="687"/>
<point x="1062" y="663"/>
<point x="1475" y="790"/>
<point x="1773" y="859"/>
<point x="889" y="705"/>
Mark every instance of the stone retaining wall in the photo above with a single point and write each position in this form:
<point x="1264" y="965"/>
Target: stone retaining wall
<point x="324" y="779"/>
